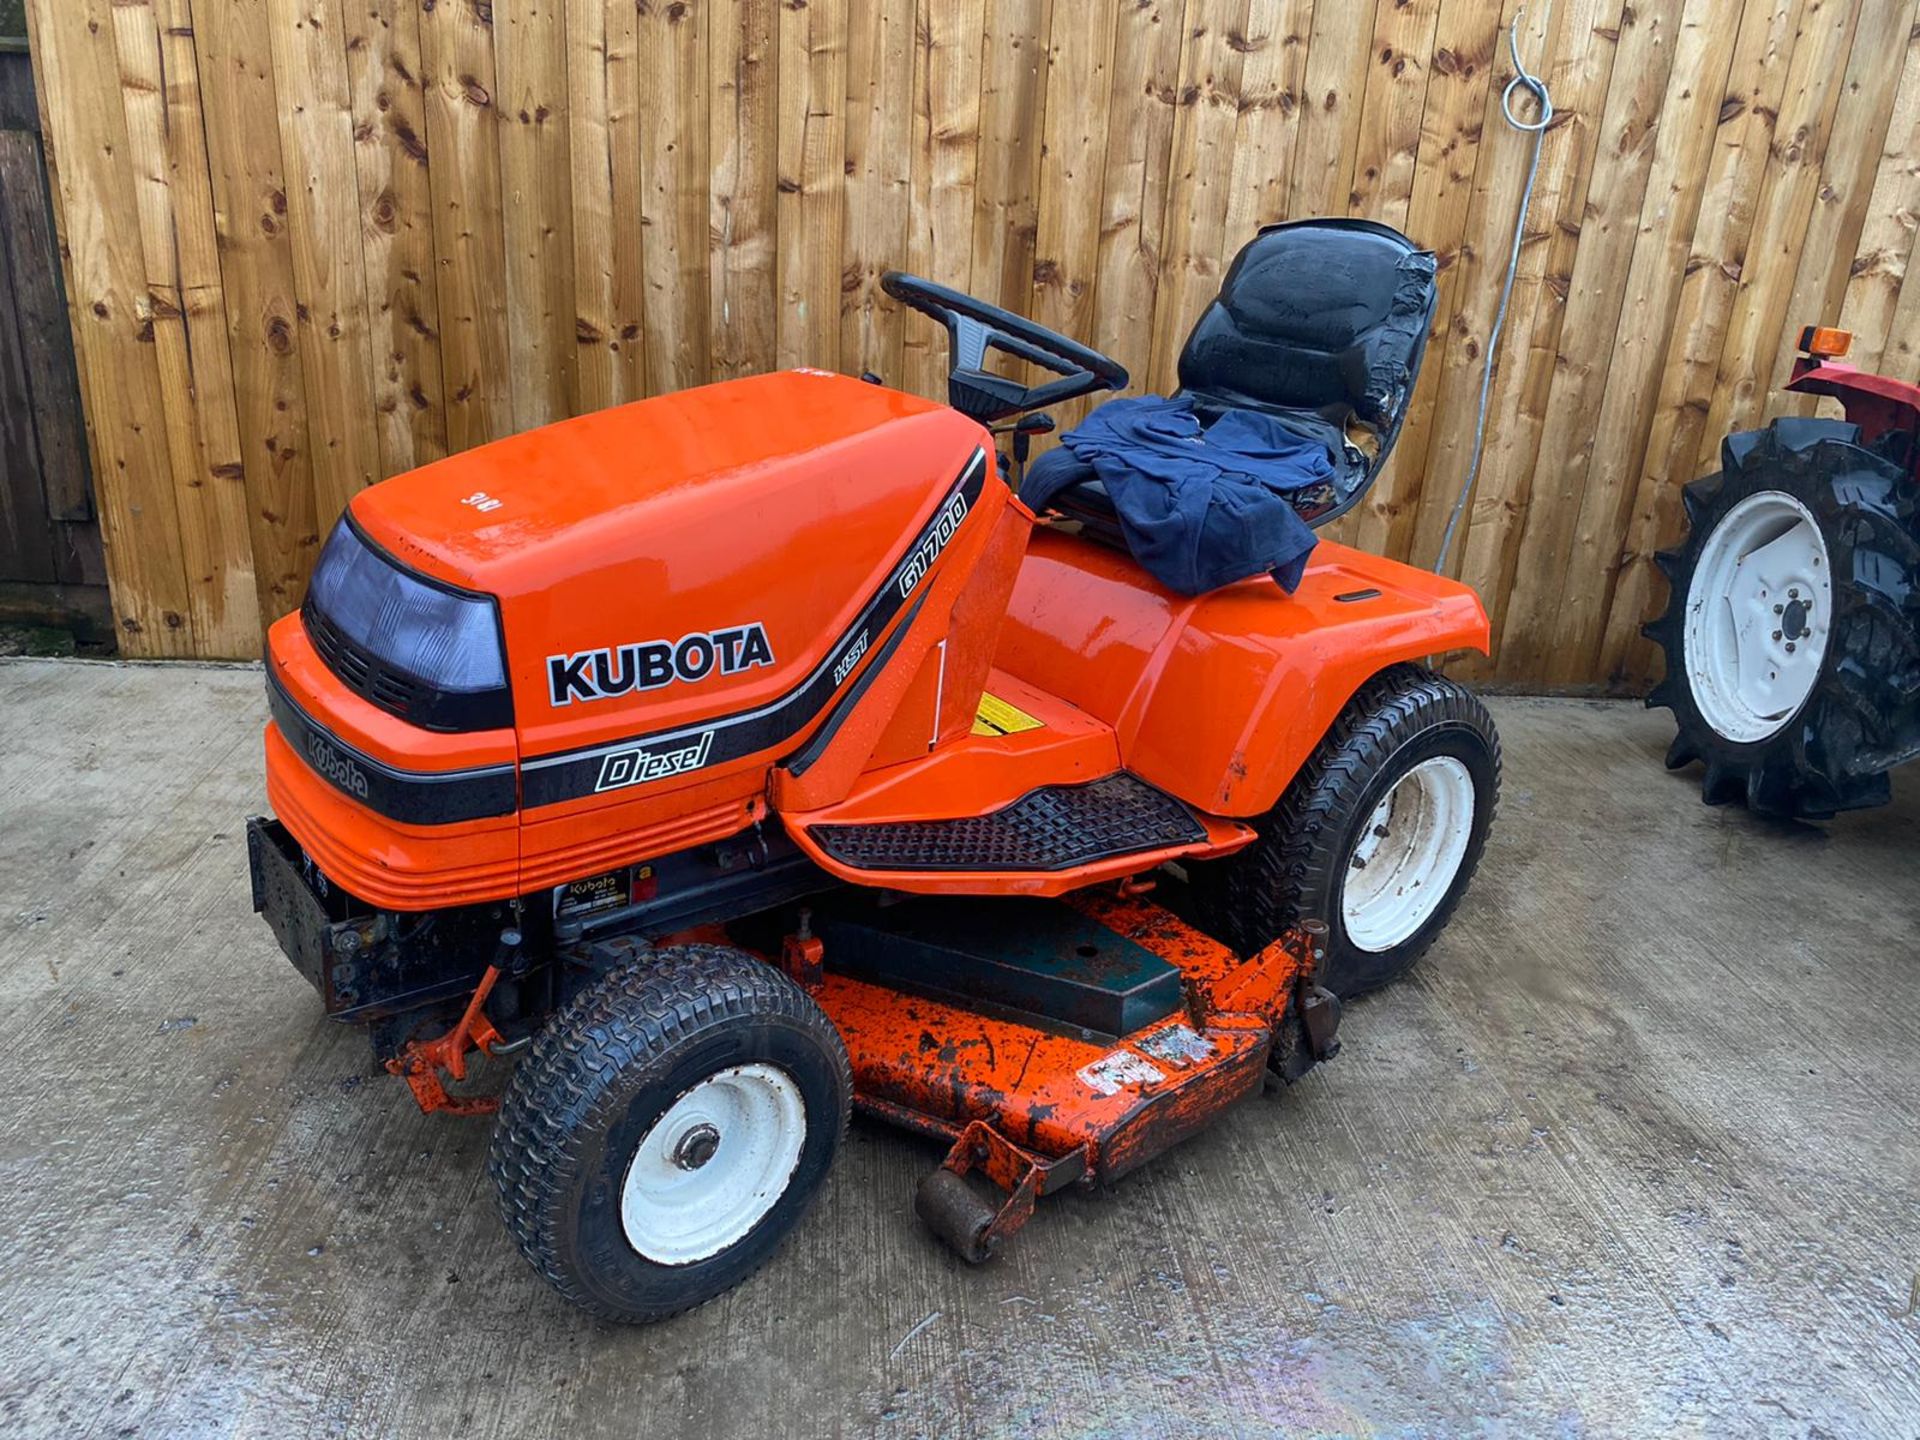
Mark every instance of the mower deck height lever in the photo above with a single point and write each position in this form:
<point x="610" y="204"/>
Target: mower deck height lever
<point x="420" y="1062"/>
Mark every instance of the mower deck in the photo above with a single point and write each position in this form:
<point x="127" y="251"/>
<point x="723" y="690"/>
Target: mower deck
<point x="1030" y="1101"/>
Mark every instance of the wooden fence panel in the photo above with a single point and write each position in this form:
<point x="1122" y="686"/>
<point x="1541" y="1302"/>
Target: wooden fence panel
<point x="310" y="244"/>
<point x="469" y="243"/>
<point x="387" y="77"/>
<point x="88" y="154"/>
<point x="160" y="90"/>
<point x="530" y="64"/>
<point x="52" y="565"/>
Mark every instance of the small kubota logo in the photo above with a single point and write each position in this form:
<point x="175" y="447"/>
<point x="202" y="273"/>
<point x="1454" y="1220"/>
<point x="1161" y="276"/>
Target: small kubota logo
<point x="336" y="766"/>
<point x="640" y="764"/>
<point x="598" y="674"/>
<point x="921" y="561"/>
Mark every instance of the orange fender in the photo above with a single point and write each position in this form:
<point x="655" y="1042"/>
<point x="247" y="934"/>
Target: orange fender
<point x="1220" y="698"/>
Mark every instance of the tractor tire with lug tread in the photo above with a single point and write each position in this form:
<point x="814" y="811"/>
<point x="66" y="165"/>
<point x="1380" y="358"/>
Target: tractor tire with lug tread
<point x="1403" y="720"/>
<point x="1798" y="702"/>
<point x="611" y="1155"/>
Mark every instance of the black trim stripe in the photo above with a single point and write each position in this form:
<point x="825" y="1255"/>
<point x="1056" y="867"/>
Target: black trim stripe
<point x="570" y="774"/>
<point x="803" y="759"/>
<point x="417" y="797"/>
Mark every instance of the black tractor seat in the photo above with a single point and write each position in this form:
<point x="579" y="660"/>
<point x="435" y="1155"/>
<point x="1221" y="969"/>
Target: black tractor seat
<point x="1321" y="324"/>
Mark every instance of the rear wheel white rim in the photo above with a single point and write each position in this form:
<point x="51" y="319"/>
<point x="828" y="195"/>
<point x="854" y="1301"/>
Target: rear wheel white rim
<point x="1759" y="613"/>
<point x="713" y="1165"/>
<point x="1407" y="856"/>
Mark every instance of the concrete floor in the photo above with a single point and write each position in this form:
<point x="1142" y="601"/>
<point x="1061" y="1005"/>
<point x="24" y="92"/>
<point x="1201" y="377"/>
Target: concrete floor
<point x="1633" y="1153"/>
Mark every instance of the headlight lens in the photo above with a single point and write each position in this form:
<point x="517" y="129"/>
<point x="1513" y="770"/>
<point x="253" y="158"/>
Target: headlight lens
<point x="424" y="651"/>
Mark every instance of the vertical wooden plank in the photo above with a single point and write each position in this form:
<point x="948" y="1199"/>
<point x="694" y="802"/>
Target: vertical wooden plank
<point x="1704" y="51"/>
<point x="880" y="65"/>
<point x="1893" y="215"/>
<point x="167" y="157"/>
<point x="241" y="112"/>
<point x="28" y="216"/>
<point x="1829" y="253"/>
<point x="1900" y="355"/>
<point x="1073" y="171"/>
<point x="329" y="265"/>
<point x="84" y="128"/>
<point x="1338" y="52"/>
<point x="1788" y="191"/>
<point x="1486" y="242"/>
<point x="603" y="150"/>
<point x="536" y="175"/>
<point x="812" y="184"/>
<point x="1749" y="105"/>
<point x="1385" y="165"/>
<point x="1198" y="178"/>
<point x="52" y="414"/>
<point x="1013" y="95"/>
<point x="386" y="76"/>
<point x="222" y="491"/>
<point x="1556" y="601"/>
<point x="673" y="194"/>
<point x="1465" y="36"/>
<point x="1578" y="77"/>
<point x="1387" y="146"/>
<point x="1133" y="206"/>
<point x="744" y="134"/>
<point x="469" y="243"/>
<point x="948" y="39"/>
<point x="26" y="527"/>
<point x="1267" y="132"/>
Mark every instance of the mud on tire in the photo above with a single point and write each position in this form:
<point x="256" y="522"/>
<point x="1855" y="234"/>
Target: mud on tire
<point x="1299" y="867"/>
<point x="604" y="1076"/>
<point x="1861" y="712"/>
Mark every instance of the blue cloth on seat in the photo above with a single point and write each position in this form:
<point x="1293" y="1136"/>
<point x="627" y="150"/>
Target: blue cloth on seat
<point x="1199" y="506"/>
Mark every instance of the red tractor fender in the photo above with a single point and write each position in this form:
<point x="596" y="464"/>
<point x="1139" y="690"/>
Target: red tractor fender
<point x="1876" y="403"/>
<point x="1220" y="698"/>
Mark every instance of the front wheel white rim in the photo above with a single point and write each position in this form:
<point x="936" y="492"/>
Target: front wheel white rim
<point x="1759" y="612"/>
<point x="713" y="1165"/>
<point x="1407" y="856"/>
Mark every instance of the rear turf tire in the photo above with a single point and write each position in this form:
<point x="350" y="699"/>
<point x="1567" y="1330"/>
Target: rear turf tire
<point x="669" y="1127"/>
<point x="1405" y="725"/>
<point x="1824" y="743"/>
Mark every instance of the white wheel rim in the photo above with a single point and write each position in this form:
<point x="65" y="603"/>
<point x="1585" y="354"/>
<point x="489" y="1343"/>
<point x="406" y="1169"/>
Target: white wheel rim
<point x="1759" y="612"/>
<point x="713" y="1166"/>
<point x="1408" y="854"/>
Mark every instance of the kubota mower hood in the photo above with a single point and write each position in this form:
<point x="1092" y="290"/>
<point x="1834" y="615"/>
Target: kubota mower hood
<point x="683" y="557"/>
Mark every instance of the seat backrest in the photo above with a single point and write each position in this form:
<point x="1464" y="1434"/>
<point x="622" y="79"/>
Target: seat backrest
<point x="1325" y="315"/>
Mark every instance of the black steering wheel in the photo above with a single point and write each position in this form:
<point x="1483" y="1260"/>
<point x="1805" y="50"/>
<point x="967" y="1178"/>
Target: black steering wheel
<point x="974" y="327"/>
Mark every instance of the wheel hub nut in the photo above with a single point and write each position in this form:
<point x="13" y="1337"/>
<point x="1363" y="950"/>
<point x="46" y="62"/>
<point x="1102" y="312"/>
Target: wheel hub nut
<point x="696" y="1147"/>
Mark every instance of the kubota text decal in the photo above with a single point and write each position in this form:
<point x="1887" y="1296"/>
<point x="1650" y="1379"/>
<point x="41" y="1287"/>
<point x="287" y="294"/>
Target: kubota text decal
<point x="598" y="674"/>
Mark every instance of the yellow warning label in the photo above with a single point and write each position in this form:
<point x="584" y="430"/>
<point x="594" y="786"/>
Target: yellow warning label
<point x="996" y="717"/>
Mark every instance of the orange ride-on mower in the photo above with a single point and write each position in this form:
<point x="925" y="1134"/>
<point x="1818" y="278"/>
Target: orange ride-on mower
<point x="1792" y="637"/>
<point x="753" y="753"/>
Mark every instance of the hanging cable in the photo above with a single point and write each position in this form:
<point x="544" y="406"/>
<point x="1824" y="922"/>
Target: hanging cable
<point x="1523" y="80"/>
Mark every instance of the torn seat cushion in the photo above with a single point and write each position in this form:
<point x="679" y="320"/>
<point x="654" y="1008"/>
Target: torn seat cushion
<point x="1201" y="500"/>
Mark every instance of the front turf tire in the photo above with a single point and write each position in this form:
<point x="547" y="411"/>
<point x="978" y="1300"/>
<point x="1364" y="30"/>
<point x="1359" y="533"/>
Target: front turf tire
<point x="1405" y="724"/>
<point x="694" y="1066"/>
